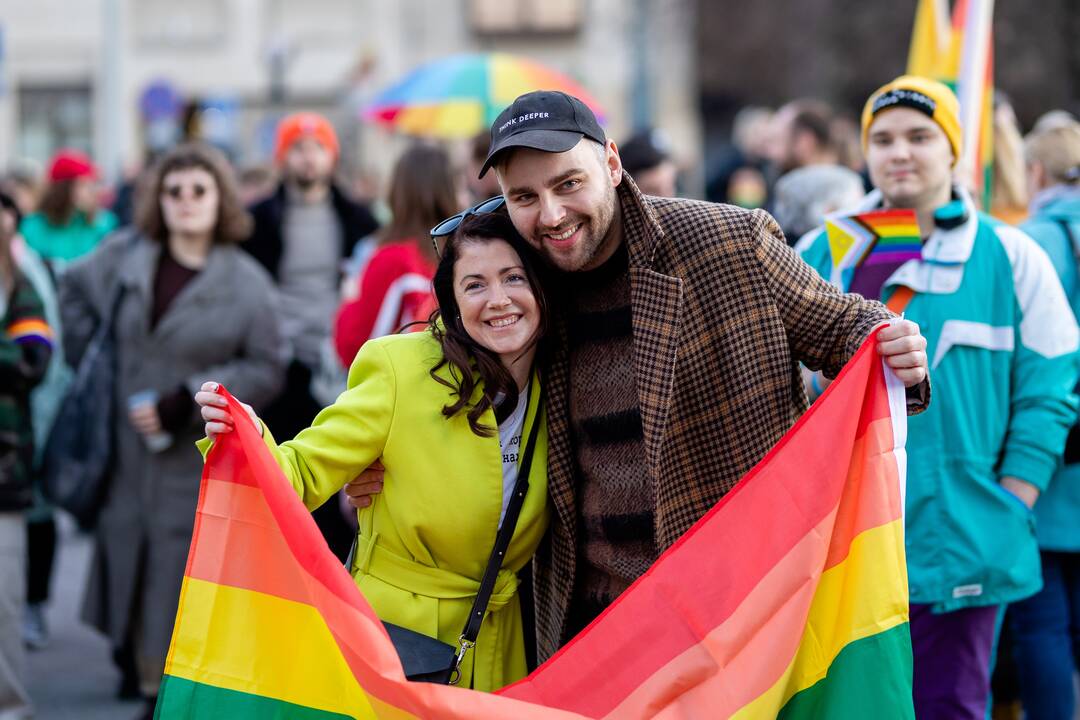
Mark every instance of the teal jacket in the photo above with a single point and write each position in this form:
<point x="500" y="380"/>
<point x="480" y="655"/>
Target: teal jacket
<point x="1058" y="510"/>
<point x="46" y="397"/>
<point x="1002" y="348"/>
<point x="61" y="245"/>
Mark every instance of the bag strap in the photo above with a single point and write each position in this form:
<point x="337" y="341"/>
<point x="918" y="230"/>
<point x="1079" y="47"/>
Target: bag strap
<point x="502" y="542"/>
<point x="118" y="297"/>
<point x="105" y="325"/>
<point x="900" y="298"/>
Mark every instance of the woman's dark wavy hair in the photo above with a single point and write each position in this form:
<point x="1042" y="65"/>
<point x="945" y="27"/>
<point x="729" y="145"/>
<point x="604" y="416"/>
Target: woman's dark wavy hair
<point x="470" y="362"/>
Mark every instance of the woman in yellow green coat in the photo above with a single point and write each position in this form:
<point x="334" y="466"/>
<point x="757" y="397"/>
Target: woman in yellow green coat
<point x="446" y="411"/>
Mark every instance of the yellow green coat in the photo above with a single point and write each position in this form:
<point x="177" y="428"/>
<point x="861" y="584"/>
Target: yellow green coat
<point x="424" y="542"/>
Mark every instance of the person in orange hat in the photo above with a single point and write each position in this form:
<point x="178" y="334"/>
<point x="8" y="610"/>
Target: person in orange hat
<point x="68" y="223"/>
<point x="302" y="234"/>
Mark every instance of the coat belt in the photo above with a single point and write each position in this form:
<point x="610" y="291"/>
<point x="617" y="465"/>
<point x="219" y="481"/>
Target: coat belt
<point x="411" y="576"/>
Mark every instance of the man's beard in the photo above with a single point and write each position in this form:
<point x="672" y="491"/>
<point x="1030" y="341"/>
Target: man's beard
<point x="305" y="182"/>
<point x="595" y="229"/>
<point x="599" y="226"/>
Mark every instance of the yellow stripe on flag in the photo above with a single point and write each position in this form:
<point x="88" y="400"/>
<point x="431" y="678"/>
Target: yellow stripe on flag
<point x="220" y="639"/>
<point x="860" y="597"/>
<point x="911" y="231"/>
<point x="851" y="601"/>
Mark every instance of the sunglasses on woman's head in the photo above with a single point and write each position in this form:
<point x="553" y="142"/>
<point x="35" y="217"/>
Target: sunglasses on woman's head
<point x="177" y="191"/>
<point x="450" y="225"/>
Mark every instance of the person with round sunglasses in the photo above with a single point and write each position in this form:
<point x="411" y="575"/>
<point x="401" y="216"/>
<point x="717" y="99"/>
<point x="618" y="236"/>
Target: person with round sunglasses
<point x="448" y="412"/>
<point x="186" y="304"/>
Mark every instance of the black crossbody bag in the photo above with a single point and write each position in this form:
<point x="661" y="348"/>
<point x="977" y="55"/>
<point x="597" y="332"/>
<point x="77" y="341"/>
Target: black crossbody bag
<point x="426" y="659"/>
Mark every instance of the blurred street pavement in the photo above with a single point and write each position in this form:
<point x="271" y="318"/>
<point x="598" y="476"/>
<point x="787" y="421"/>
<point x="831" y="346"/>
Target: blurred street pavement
<point x="73" y="678"/>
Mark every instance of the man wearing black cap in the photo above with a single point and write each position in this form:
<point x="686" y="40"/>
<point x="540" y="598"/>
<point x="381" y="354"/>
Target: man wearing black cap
<point x="674" y="356"/>
<point x="674" y="352"/>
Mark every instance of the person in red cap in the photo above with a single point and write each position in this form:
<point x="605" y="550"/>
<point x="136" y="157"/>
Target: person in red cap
<point x="68" y="223"/>
<point x="302" y="234"/>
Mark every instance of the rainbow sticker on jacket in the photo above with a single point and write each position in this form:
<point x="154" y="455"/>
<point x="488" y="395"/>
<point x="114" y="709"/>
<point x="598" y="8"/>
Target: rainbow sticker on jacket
<point x="879" y="236"/>
<point x="30" y="330"/>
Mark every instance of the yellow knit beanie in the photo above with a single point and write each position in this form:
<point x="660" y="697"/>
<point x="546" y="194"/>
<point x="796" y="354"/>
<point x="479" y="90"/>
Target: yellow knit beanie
<point x="927" y="96"/>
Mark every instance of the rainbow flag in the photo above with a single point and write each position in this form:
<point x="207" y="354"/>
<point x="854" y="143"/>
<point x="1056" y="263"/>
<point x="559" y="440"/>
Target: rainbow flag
<point x="874" y="237"/>
<point x="461" y="95"/>
<point x="961" y="55"/>
<point x="788" y="599"/>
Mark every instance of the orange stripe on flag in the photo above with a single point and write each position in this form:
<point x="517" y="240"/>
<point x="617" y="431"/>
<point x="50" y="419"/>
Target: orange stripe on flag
<point x="740" y="660"/>
<point x="877" y="501"/>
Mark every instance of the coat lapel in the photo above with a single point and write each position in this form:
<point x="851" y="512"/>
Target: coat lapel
<point x="656" y="300"/>
<point x="560" y="452"/>
<point x="657" y="303"/>
<point x="137" y="277"/>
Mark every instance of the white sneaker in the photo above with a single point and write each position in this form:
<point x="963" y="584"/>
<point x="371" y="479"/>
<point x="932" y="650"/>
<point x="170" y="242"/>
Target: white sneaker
<point x="35" y="632"/>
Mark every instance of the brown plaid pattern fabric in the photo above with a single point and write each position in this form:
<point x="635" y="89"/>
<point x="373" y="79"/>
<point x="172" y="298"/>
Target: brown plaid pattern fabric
<point x="722" y="311"/>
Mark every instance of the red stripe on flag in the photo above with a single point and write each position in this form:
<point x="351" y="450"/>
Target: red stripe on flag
<point x="239" y="542"/>
<point x="891" y="217"/>
<point x="243" y="457"/>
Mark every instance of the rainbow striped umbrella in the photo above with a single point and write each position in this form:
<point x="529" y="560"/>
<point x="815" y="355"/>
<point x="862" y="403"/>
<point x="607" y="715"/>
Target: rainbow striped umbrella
<point x="460" y="95"/>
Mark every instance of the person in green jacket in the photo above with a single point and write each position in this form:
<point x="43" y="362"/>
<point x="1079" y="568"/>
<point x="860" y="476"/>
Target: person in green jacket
<point x="68" y="223"/>
<point x="447" y="411"/>
<point x="1046" y="626"/>
<point x="26" y="346"/>
<point x="1003" y="355"/>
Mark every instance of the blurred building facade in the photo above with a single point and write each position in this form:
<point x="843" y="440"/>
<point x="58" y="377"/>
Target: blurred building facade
<point x="117" y="76"/>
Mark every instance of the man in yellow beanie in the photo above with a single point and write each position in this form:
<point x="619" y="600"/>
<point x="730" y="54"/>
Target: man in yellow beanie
<point x="1002" y="344"/>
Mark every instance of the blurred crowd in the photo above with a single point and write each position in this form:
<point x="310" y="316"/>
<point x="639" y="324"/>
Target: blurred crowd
<point x="269" y="278"/>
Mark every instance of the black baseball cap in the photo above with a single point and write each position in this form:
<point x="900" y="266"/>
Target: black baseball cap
<point x="545" y="120"/>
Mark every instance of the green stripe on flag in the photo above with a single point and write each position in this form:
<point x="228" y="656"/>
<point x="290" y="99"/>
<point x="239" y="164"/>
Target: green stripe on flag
<point x="180" y="699"/>
<point x="870" y="677"/>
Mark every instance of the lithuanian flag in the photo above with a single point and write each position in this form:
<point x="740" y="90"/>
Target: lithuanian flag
<point x="788" y="599"/>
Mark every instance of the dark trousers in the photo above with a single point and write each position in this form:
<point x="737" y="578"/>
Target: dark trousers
<point x="1046" y="639"/>
<point x="41" y="552"/>
<point x="951" y="653"/>
<point x="292" y="411"/>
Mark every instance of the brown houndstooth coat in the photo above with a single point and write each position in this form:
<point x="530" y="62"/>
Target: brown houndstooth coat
<point x="722" y="311"/>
